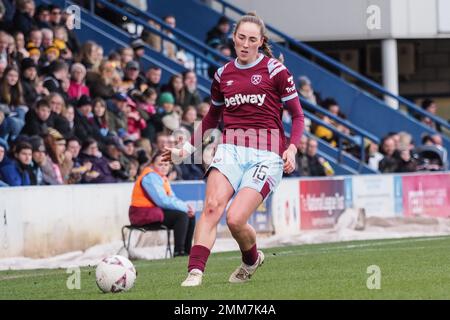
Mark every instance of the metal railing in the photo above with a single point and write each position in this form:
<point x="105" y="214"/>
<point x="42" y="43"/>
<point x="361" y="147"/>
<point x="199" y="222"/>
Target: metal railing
<point x="331" y="62"/>
<point x="180" y="34"/>
<point x="200" y="57"/>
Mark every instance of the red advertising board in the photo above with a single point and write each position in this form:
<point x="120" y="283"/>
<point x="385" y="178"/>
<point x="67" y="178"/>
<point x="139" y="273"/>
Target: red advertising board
<point x="321" y="203"/>
<point x="426" y="195"/>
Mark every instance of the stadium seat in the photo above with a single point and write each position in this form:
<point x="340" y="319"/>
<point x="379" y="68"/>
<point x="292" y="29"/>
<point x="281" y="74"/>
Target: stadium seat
<point x="146" y="228"/>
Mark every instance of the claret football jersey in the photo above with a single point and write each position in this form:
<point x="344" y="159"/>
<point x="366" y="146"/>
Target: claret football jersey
<point x="252" y="99"/>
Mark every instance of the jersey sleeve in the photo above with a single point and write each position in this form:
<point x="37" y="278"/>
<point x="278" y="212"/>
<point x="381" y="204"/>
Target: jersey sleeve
<point x="217" y="98"/>
<point x="283" y="80"/>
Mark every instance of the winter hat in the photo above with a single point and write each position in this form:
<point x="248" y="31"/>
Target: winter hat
<point x="27" y="63"/>
<point x="166" y="97"/>
<point x="84" y="100"/>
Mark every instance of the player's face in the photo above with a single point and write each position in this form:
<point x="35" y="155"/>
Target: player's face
<point x="247" y="40"/>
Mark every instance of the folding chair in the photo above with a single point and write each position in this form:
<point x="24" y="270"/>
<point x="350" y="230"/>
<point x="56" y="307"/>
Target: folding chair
<point x="146" y="228"/>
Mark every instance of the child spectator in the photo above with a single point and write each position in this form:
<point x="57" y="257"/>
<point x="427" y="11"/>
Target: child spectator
<point x="77" y="88"/>
<point x="15" y="172"/>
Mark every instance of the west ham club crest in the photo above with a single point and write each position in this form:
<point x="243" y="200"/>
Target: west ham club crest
<point x="256" y="79"/>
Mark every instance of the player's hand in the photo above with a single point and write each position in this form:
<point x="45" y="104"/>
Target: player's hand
<point x="289" y="159"/>
<point x="174" y="155"/>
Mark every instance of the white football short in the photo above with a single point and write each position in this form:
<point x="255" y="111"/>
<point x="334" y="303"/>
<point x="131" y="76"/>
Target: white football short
<point x="261" y="170"/>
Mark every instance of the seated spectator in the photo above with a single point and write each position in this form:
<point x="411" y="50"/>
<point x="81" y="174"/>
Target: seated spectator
<point x="33" y="88"/>
<point x="114" y="153"/>
<point x="131" y="75"/>
<point x="153" y="78"/>
<point x="166" y="118"/>
<point x="126" y="55"/>
<point x="11" y="97"/>
<point x="79" y="168"/>
<point x="435" y="142"/>
<point x="19" y="39"/>
<point x="34" y="53"/>
<point x="39" y="157"/>
<point x="117" y="108"/>
<point x="58" y="107"/>
<point x="55" y="15"/>
<point x="43" y="16"/>
<point x="3" y="149"/>
<point x="405" y="141"/>
<point x="306" y="91"/>
<point x="35" y="38"/>
<point x="324" y="133"/>
<point x="315" y="165"/>
<point x="58" y="72"/>
<point x="226" y="51"/>
<point x="203" y="109"/>
<point x="138" y="47"/>
<point x="301" y="159"/>
<point x="91" y="55"/>
<point x="65" y="52"/>
<point x="133" y="171"/>
<point x="72" y="40"/>
<point x="162" y="141"/>
<point x="219" y="35"/>
<point x="23" y="19"/>
<point x="101" y="170"/>
<point x="15" y="172"/>
<point x="135" y="123"/>
<point x="430" y="106"/>
<point x="176" y="88"/>
<point x="77" y="87"/>
<point x="60" y="158"/>
<point x="373" y="156"/>
<point x="101" y="121"/>
<point x="406" y="162"/>
<point x="12" y="109"/>
<point x="154" y="201"/>
<point x="38" y="121"/>
<point x="191" y="93"/>
<point x="84" y="127"/>
<point x="170" y="49"/>
<point x="129" y="149"/>
<point x="389" y="162"/>
<point x="69" y="115"/>
<point x="101" y="84"/>
<point x="189" y="118"/>
<point x="47" y="38"/>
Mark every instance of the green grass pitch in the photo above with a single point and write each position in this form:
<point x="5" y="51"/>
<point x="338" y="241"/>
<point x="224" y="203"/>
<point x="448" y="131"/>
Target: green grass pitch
<point x="413" y="268"/>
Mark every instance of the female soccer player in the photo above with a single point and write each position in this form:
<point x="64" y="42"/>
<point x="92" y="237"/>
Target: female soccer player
<point x="248" y="94"/>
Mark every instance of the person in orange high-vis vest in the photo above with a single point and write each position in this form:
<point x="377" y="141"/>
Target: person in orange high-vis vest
<point x="153" y="201"/>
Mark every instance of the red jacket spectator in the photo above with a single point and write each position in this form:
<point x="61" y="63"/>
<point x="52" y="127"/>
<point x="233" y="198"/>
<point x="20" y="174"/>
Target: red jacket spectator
<point x="134" y="120"/>
<point x="76" y="90"/>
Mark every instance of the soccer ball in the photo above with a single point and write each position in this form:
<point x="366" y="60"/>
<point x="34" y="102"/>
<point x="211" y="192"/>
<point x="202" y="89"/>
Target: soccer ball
<point x="115" y="274"/>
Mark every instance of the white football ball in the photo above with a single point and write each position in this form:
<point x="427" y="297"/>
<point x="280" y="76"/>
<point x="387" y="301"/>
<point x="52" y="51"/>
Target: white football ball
<point x="115" y="274"/>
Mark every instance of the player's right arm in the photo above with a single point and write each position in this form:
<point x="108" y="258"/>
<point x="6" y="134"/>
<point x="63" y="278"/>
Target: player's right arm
<point x="210" y="121"/>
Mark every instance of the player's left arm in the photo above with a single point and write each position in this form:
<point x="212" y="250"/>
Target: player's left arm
<point x="289" y="96"/>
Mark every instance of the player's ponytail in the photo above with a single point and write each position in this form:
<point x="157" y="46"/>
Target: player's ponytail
<point x="253" y="18"/>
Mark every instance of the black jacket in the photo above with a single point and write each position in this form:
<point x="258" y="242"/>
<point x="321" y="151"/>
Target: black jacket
<point x="35" y="126"/>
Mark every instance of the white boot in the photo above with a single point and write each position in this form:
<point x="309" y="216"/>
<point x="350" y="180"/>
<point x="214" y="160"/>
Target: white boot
<point x="244" y="272"/>
<point x="193" y="279"/>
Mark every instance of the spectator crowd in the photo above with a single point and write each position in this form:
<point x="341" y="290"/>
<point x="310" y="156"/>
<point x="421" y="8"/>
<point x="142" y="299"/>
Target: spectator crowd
<point x="71" y="113"/>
